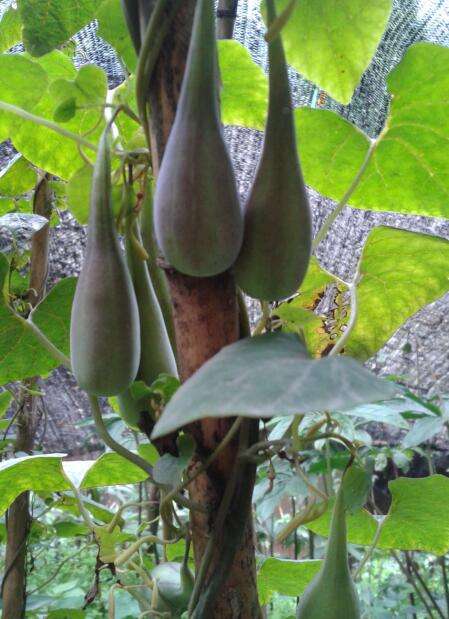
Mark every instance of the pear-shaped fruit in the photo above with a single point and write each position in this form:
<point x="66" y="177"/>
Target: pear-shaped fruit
<point x="331" y="594"/>
<point x="104" y="330"/>
<point x="197" y="215"/>
<point x="157" y="274"/>
<point x="156" y="355"/>
<point x="175" y="585"/>
<point x="278" y="234"/>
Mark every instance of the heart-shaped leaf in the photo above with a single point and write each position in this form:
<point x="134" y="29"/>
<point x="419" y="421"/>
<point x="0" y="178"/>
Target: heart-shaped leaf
<point x="267" y="376"/>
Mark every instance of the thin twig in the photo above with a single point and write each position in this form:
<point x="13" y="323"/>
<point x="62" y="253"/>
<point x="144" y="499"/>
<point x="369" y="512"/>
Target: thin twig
<point x="56" y="572"/>
<point x="369" y="551"/>
<point x="442" y="562"/>
<point x="201" y="469"/>
<point x="412" y="582"/>
<point x="128" y="553"/>
<point x="423" y="584"/>
<point x="308" y="483"/>
<point x="110" y="442"/>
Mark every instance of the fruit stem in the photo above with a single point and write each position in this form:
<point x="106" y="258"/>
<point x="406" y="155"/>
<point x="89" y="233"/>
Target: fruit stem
<point x="370" y="550"/>
<point x="110" y="442"/>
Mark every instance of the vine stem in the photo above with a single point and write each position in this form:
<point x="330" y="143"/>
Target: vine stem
<point x="219" y="525"/>
<point x="345" y="199"/>
<point x="46" y="343"/>
<point x="368" y="554"/>
<point x="18" y="111"/>
<point x="352" y="317"/>
<point x="110" y="442"/>
<point x="201" y="469"/>
<point x="122" y="508"/>
<point x="147" y="539"/>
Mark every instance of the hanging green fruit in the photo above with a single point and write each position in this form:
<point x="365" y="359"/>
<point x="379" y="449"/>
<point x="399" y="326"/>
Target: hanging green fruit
<point x="104" y="330"/>
<point x="278" y="234"/>
<point x="174" y="585"/>
<point x="332" y="594"/>
<point x="156" y="355"/>
<point x="157" y="275"/>
<point x="197" y="215"/>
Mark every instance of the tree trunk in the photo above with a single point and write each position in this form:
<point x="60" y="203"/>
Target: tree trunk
<point x="18" y="519"/>
<point x="227" y="12"/>
<point x="206" y="319"/>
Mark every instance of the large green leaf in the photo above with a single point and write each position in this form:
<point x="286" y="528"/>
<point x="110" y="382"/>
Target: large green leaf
<point x="407" y="172"/>
<point x="244" y="97"/>
<point x="78" y="193"/>
<point x="10" y="29"/>
<point x="111" y="469"/>
<point x="47" y="24"/>
<point x="401" y="272"/>
<point x="38" y="473"/>
<point x="331" y="150"/>
<point x="418" y="518"/>
<point x="285" y="577"/>
<point x="361" y="525"/>
<point x="267" y="376"/>
<point x="112" y="28"/>
<point x="419" y="515"/>
<point x="22" y="83"/>
<point x="332" y="43"/>
<point x="17" y="177"/>
<point x="50" y="473"/>
<point x="21" y="354"/>
<point x="52" y="315"/>
<point x="47" y="149"/>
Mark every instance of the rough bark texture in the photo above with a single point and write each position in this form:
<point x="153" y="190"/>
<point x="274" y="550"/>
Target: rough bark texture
<point x="14" y="584"/>
<point x="206" y="319"/>
<point x="226" y="12"/>
<point x="18" y="518"/>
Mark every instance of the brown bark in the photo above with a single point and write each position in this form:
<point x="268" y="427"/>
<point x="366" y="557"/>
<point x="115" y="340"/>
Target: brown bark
<point x="18" y="519"/>
<point x="206" y="319"/>
<point x="227" y="12"/>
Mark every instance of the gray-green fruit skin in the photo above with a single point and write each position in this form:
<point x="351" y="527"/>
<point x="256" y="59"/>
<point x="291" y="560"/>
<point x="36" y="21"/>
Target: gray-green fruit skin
<point x="175" y="585"/>
<point x="157" y="275"/>
<point x="278" y="234"/>
<point x="104" y="330"/>
<point x="156" y="355"/>
<point x="198" y="220"/>
<point x="332" y="594"/>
